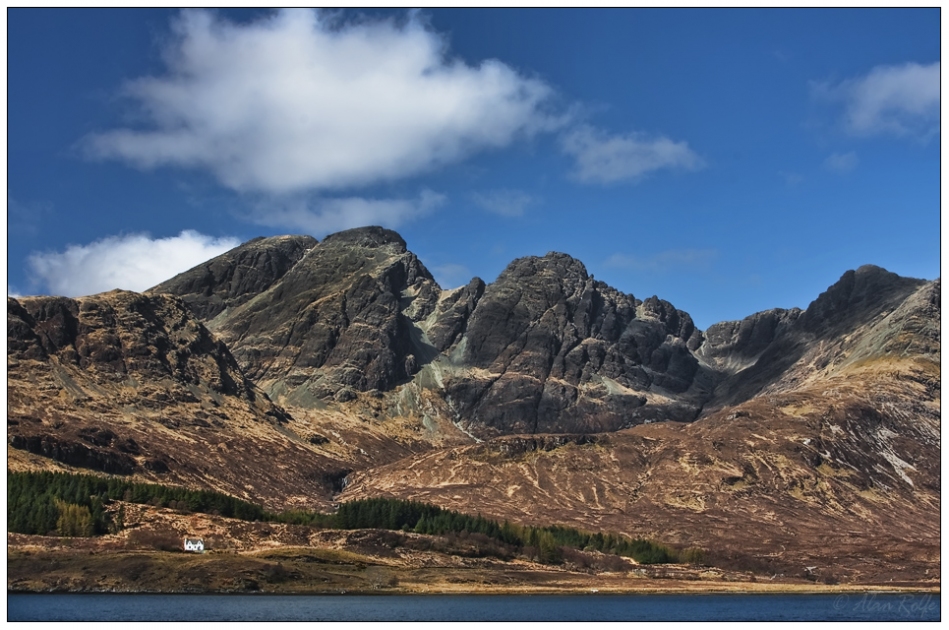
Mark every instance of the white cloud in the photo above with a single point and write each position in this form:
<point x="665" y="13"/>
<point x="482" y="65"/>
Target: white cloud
<point x="841" y="162"/>
<point x="603" y="158"/>
<point x="664" y="260"/>
<point x="503" y="202"/>
<point x="134" y="262"/>
<point x="295" y="102"/>
<point x="324" y="216"/>
<point x="899" y="100"/>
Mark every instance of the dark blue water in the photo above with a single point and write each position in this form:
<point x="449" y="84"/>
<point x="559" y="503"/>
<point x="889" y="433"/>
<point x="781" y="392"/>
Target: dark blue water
<point x="108" y="607"/>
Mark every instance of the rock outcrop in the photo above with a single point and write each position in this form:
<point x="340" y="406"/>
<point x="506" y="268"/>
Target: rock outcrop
<point x="543" y="348"/>
<point x="732" y="346"/>
<point x="234" y="277"/>
<point x="549" y="349"/>
<point x="340" y="321"/>
<point x="122" y="336"/>
<point x="779" y="350"/>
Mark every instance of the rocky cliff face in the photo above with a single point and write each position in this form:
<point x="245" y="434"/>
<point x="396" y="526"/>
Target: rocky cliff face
<point x="226" y="282"/>
<point x="544" y="348"/>
<point x="549" y="349"/>
<point x="733" y="346"/>
<point x="778" y="350"/>
<point x="337" y="323"/>
<point x="118" y="336"/>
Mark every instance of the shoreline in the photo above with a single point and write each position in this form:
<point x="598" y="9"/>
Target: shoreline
<point x="348" y="565"/>
<point x="526" y="591"/>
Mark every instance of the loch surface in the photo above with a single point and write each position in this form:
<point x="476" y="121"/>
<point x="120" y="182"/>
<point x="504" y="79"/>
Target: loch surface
<point x="593" y="607"/>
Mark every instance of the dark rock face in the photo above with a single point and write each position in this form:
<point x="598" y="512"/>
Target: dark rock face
<point x="121" y="333"/>
<point x="735" y="345"/>
<point x="236" y="276"/>
<point x="543" y="349"/>
<point x="558" y="351"/>
<point x="857" y="296"/>
<point x="452" y="314"/>
<point x="340" y="321"/>
<point x="856" y="317"/>
<point x="149" y="350"/>
<point x="22" y="340"/>
<point x="75" y="453"/>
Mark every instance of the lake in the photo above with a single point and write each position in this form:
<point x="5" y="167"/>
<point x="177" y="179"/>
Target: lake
<point x="593" y="607"/>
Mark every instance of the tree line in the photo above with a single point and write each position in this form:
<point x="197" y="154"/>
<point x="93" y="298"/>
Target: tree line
<point x="544" y="543"/>
<point x="73" y="505"/>
<point x="64" y="504"/>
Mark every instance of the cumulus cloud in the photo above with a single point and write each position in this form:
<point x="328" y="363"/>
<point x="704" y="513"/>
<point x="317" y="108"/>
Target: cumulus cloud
<point x="897" y="100"/>
<point x="299" y="101"/>
<point x="841" y="162"/>
<point x="602" y="158"/>
<point x="324" y="216"/>
<point x="665" y="260"/>
<point x="503" y="202"/>
<point x="134" y="262"/>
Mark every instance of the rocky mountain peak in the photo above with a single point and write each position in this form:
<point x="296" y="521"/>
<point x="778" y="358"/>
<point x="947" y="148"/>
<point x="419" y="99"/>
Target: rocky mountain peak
<point x="337" y="322"/>
<point x="858" y="295"/>
<point x="236" y="276"/>
<point x="371" y="236"/>
<point x="544" y="347"/>
<point x="554" y="265"/>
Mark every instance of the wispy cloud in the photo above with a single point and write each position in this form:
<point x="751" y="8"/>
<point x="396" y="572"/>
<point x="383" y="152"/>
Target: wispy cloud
<point x="791" y="178"/>
<point x="319" y="216"/>
<point x="503" y="202"/>
<point x="26" y="218"/>
<point x="301" y="101"/>
<point x="841" y="162"/>
<point x="663" y="261"/>
<point x="602" y="158"/>
<point x="451" y="275"/>
<point x="134" y="262"/>
<point x="898" y="100"/>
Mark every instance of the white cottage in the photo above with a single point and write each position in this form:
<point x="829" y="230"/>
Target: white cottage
<point x="194" y="544"/>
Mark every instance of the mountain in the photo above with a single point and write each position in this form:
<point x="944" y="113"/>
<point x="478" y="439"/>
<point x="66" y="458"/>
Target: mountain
<point x="331" y="325"/>
<point x="133" y="384"/>
<point x="299" y="373"/>
<point x="547" y="349"/>
<point x="544" y="348"/>
<point x="830" y="460"/>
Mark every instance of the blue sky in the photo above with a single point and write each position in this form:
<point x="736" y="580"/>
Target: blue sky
<point x="728" y="161"/>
